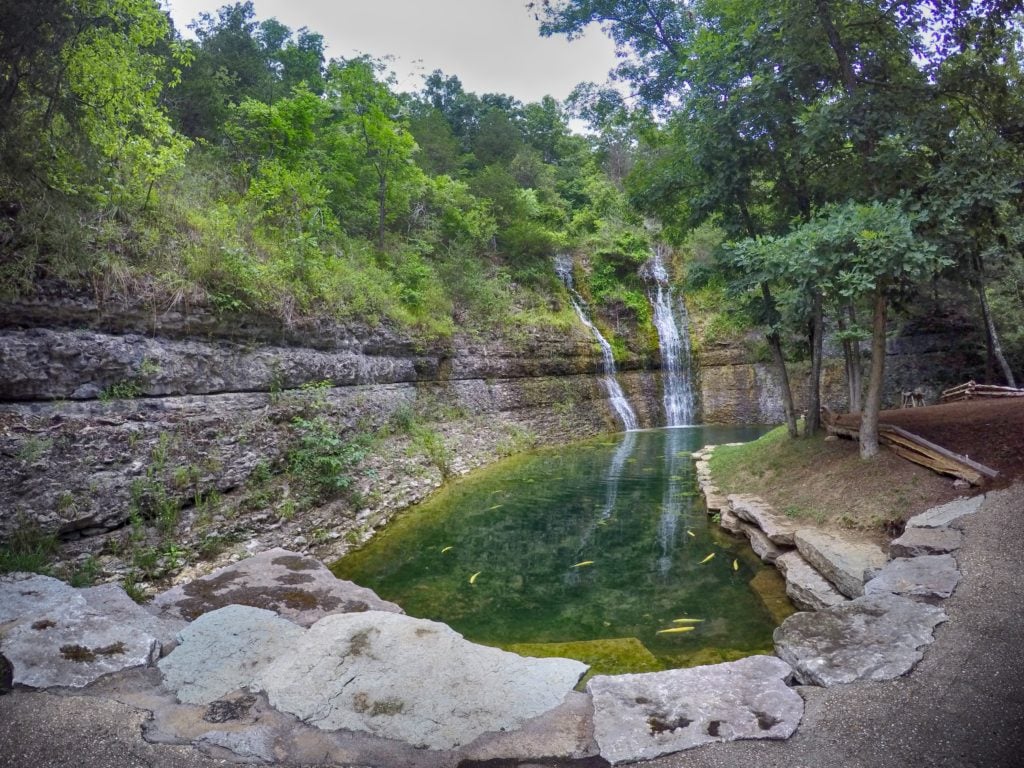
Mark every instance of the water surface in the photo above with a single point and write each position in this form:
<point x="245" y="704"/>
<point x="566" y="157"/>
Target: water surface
<point x="600" y="544"/>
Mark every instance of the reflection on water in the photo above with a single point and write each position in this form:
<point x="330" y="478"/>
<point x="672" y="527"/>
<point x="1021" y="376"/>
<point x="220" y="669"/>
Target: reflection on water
<point x="598" y="546"/>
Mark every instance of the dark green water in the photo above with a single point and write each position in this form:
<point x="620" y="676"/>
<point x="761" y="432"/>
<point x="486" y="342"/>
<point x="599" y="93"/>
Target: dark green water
<point x="631" y="506"/>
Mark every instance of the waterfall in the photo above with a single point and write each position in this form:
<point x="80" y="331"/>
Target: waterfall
<point x="621" y="406"/>
<point x="674" y="342"/>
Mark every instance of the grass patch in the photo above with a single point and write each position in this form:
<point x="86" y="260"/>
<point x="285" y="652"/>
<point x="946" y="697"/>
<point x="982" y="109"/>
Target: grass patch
<point x="29" y="550"/>
<point x="825" y="482"/>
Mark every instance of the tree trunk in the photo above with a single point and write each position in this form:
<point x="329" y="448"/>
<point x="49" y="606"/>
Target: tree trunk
<point x="812" y="422"/>
<point x="851" y="357"/>
<point x="775" y="345"/>
<point x="873" y="401"/>
<point x="995" y="348"/>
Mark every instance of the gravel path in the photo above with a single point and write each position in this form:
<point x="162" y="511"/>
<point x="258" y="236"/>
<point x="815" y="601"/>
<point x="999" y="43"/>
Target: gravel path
<point x="963" y="707"/>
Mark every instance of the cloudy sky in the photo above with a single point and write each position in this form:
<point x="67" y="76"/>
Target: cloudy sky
<point x="491" y="45"/>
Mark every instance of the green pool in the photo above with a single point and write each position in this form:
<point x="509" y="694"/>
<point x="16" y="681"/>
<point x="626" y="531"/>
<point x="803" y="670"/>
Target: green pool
<point x="601" y="551"/>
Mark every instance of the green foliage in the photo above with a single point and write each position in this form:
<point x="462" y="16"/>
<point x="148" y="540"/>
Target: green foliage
<point x="28" y="549"/>
<point x="320" y="458"/>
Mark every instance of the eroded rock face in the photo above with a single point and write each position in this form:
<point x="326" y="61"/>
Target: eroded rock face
<point x="875" y="637"/>
<point x="924" y="576"/>
<point x="808" y="590"/>
<point x="642" y="716"/>
<point x="300" y="589"/>
<point x="56" y="635"/>
<point x="941" y="516"/>
<point x="926" y="541"/>
<point x="841" y="561"/>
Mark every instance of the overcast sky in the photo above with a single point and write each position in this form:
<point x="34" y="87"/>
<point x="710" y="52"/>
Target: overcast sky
<point x="491" y="45"/>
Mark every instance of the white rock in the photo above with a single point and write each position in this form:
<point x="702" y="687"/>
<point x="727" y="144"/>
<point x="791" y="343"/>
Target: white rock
<point x="924" y="576"/>
<point x="875" y="637"/>
<point x="807" y="588"/>
<point x="225" y="650"/>
<point x="642" y="716"/>
<point x="841" y="561"/>
<point x="418" y="681"/>
<point x="56" y="635"/>
<point x="757" y="511"/>
<point x="943" y="515"/>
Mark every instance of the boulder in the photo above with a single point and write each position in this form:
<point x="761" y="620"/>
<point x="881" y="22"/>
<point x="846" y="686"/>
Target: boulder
<point x="410" y="679"/>
<point x="754" y="510"/>
<point x="713" y="498"/>
<point x="763" y="546"/>
<point x="730" y="522"/>
<point x="841" y="561"/>
<point x="375" y="672"/>
<point x="926" y="541"/>
<point x="224" y="650"/>
<point x="56" y="635"/>
<point x="938" y="517"/>
<point x="642" y="716"/>
<point x="298" y="588"/>
<point x="924" y="576"/>
<point x="876" y="637"/>
<point x="807" y="588"/>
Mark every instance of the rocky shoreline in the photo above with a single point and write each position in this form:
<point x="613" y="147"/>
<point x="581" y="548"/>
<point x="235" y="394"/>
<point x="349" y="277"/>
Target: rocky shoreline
<point x="272" y="659"/>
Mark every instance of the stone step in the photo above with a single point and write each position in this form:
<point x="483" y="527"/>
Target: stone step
<point x="754" y="510"/>
<point x="926" y="541"/>
<point x="808" y="589"/>
<point x="847" y="564"/>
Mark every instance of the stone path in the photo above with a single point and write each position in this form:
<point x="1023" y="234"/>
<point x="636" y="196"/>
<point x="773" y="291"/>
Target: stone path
<point x="962" y="706"/>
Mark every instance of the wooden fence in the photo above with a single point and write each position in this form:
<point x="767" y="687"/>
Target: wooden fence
<point x="971" y="390"/>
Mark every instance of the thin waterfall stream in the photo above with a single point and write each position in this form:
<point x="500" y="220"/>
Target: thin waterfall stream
<point x="674" y="341"/>
<point x="617" y="398"/>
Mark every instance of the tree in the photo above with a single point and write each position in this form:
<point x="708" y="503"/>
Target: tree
<point x="80" y="89"/>
<point x="372" y="144"/>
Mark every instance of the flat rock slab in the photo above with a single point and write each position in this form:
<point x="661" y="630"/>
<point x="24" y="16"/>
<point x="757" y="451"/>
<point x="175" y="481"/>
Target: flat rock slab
<point x="757" y="511"/>
<point x="375" y="672"/>
<point x="841" y="561"/>
<point x="876" y="637"/>
<point x="730" y="522"/>
<point x="938" y="517"/>
<point x="807" y="588"/>
<point x="924" y="576"/>
<point x="642" y="716"/>
<point x="224" y="650"/>
<point x="299" y="588"/>
<point x="56" y="635"/>
<point x="414" y="680"/>
<point x="763" y="547"/>
<point x="926" y="541"/>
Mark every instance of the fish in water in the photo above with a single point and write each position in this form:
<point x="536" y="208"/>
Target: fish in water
<point x="496" y="506"/>
<point x="582" y="563"/>
<point x="706" y="559"/>
<point x="675" y="630"/>
<point x="735" y="565"/>
<point x="472" y="579"/>
<point x="445" y="549"/>
<point x="691" y="533"/>
<point x="687" y="621"/>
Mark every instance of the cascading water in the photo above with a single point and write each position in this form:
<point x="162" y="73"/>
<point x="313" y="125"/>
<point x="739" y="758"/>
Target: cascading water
<point x="619" y="403"/>
<point x="674" y="341"/>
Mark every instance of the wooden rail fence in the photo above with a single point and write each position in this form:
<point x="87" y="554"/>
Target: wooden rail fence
<point x="971" y="390"/>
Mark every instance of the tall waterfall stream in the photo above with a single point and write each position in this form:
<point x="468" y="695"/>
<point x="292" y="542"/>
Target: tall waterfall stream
<point x="674" y="341"/>
<point x="617" y="398"/>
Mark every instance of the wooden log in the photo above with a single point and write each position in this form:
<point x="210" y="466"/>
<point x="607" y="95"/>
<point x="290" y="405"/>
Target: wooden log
<point x="944" y="452"/>
<point x="942" y="467"/>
